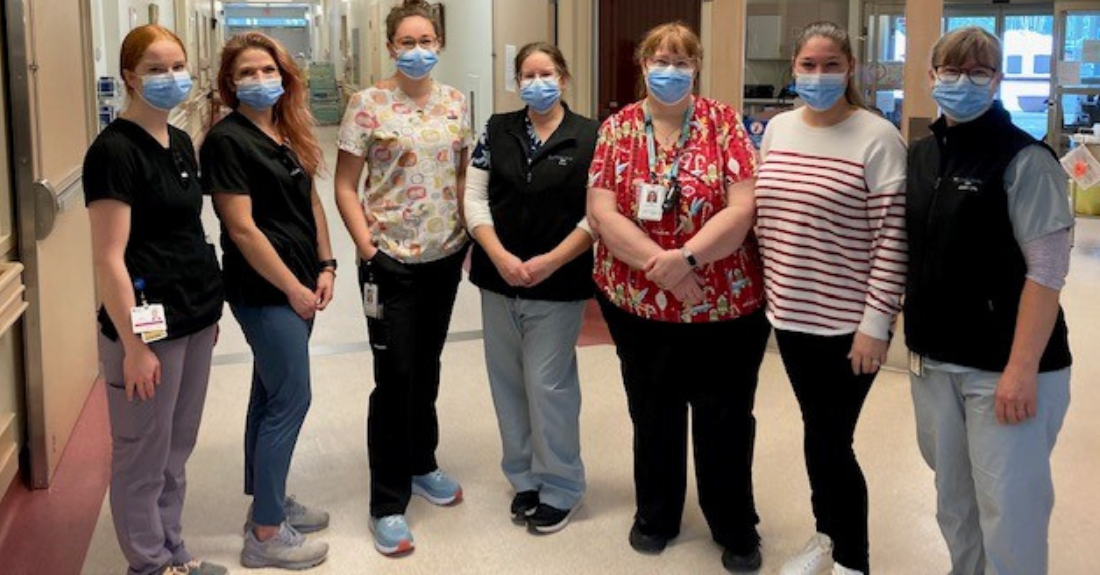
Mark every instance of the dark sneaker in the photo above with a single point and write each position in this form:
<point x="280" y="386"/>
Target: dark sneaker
<point x="648" y="544"/>
<point x="549" y="519"/>
<point x="748" y="563"/>
<point x="524" y="505"/>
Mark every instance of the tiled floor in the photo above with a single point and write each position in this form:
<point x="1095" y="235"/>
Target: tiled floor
<point x="330" y="468"/>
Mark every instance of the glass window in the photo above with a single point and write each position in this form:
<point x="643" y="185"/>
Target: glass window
<point x="1014" y="65"/>
<point x="1042" y="64"/>
<point x="989" y="23"/>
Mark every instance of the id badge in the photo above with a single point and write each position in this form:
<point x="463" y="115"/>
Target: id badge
<point x="651" y="199"/>
<point x="149" y="322"/>
<point x="372" y="307"/>
<point x="916" y="364"/>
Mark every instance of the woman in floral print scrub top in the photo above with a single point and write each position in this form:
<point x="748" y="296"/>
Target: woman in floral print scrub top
<point x="679" y="282"/>
<point x="412" y="135"/>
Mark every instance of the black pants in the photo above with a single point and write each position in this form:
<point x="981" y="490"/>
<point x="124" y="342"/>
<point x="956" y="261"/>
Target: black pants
<point x="407" y="341"/>
<point x="831" y="397"/>
<point x="667" y="367"/>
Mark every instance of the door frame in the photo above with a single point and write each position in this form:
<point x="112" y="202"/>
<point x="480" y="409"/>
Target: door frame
<point x="37" y="203"/>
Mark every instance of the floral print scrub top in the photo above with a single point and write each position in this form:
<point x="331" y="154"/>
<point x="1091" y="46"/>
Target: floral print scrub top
<point x="413" y="154"/>
<point x="717" y="154"/>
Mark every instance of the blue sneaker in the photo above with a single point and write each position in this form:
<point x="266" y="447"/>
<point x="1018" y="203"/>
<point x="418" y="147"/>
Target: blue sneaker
<point x="391" y="535"/>
<point x="437" y="488"/>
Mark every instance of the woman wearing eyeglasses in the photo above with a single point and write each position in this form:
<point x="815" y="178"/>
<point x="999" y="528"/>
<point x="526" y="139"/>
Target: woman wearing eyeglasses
<point x="259" y="164"/>
<point x="162" y="298"/>
<point x="679" y="281"/>
<point x="525" y="204"/>
<point x="989" y="248"/>
<point x="412" y="136"/>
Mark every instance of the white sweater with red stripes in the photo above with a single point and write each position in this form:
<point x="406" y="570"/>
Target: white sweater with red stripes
<point x="830" y="217"/>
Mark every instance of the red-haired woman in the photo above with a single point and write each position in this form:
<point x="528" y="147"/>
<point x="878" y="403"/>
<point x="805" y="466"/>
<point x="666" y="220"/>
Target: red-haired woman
<point x="158" y="325"/>
<point x="259" y="164"/>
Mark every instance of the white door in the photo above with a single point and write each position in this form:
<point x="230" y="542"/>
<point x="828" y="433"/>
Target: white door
<point x="50" y="78"/>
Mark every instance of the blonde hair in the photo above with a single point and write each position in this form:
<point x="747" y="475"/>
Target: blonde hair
<point x="839" y="36"/>
<point x="957" y="47"/>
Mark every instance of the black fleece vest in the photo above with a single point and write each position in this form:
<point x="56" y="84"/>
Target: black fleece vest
<point x="535" y="206"/>
<point x="966" y="269"/>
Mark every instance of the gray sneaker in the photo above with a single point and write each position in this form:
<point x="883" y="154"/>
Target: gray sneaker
<point x="286" y="550"/>
<point x="303" y="519"/>
<point x="199" y="567"/>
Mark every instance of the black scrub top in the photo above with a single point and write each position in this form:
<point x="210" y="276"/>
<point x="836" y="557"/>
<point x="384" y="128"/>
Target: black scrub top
<point x="239" y="158"/>
<point x="167" y="248"/>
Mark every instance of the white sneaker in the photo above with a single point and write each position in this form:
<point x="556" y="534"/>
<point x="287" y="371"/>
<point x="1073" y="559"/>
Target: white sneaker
<point x="815" y="558"/>
<point x="839" y="569"/>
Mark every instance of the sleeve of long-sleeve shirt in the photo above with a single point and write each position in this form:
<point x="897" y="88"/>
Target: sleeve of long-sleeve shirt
<point x="884" y="175"/>
<point x="476" y="200"/>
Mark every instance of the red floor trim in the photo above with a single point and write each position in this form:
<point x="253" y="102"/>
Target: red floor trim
<point x="48" y="531"/>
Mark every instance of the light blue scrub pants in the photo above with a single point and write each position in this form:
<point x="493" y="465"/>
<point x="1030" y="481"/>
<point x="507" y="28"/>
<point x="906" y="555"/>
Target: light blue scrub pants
<point x="993" y="483"/>
<point x="530" y="352"/>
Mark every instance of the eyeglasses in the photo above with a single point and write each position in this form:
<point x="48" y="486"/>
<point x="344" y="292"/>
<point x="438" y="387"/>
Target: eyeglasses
<point x="526" y="80"/>
<point x="672" y="198"/>
<point x="679" y="64"/>
<point x="979" y="75"/>
<point x="409" y="43"/>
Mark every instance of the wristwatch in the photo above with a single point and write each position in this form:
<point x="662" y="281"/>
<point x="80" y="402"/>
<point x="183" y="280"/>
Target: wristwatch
<point x="328" y="264"/>
<point x="690" y="257"/>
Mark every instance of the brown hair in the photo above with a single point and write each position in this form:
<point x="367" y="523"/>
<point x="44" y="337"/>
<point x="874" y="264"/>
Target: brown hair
<point x="546" y="48"/>
<point x="138" y="41"/>
<point x="678" y="36"/>
<point x="291" y="112"/>
<point x="958" y="46"/>
<point x="408" y="9"/>
<point x="839" y="36"/>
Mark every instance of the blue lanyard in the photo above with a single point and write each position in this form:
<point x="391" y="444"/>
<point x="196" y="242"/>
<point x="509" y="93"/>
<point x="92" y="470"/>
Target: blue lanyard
<point x="685" y="131"/>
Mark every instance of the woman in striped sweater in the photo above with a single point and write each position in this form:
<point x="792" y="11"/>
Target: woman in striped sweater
<point x="830" y="199"/>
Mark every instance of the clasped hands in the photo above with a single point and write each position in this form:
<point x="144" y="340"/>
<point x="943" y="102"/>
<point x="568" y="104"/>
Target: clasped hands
<point x="671" y="272"/>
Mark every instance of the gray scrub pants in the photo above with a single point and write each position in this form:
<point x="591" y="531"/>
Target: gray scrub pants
<point x="151" y="441"/>
<point x="531" y="357"/>
<point x="993" y="484"/>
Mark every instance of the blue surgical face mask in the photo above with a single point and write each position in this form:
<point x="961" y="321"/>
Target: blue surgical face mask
<point x="417" y="63"/>
<point x="165" y="91"/>
<point x="540" y="93"/>
<point x="821" y="91"/>
<point x="669" y="84"/>
<point x="260" y="94"/>
<point x="962" y="101"/>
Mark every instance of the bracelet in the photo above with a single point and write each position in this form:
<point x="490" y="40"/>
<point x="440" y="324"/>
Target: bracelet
<point x="329" y="270"/>
<point x="329" y="264"/>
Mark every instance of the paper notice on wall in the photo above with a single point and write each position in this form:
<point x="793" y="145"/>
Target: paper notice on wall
<point x="1090" y="51"/>
<point x="1082" y="167"/>
<point x="509" y="67"/>
<point x="1069" y="73"/>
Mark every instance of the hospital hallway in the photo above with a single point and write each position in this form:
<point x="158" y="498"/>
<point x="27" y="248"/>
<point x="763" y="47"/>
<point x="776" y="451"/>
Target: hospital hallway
<point x="477" y="536"/>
